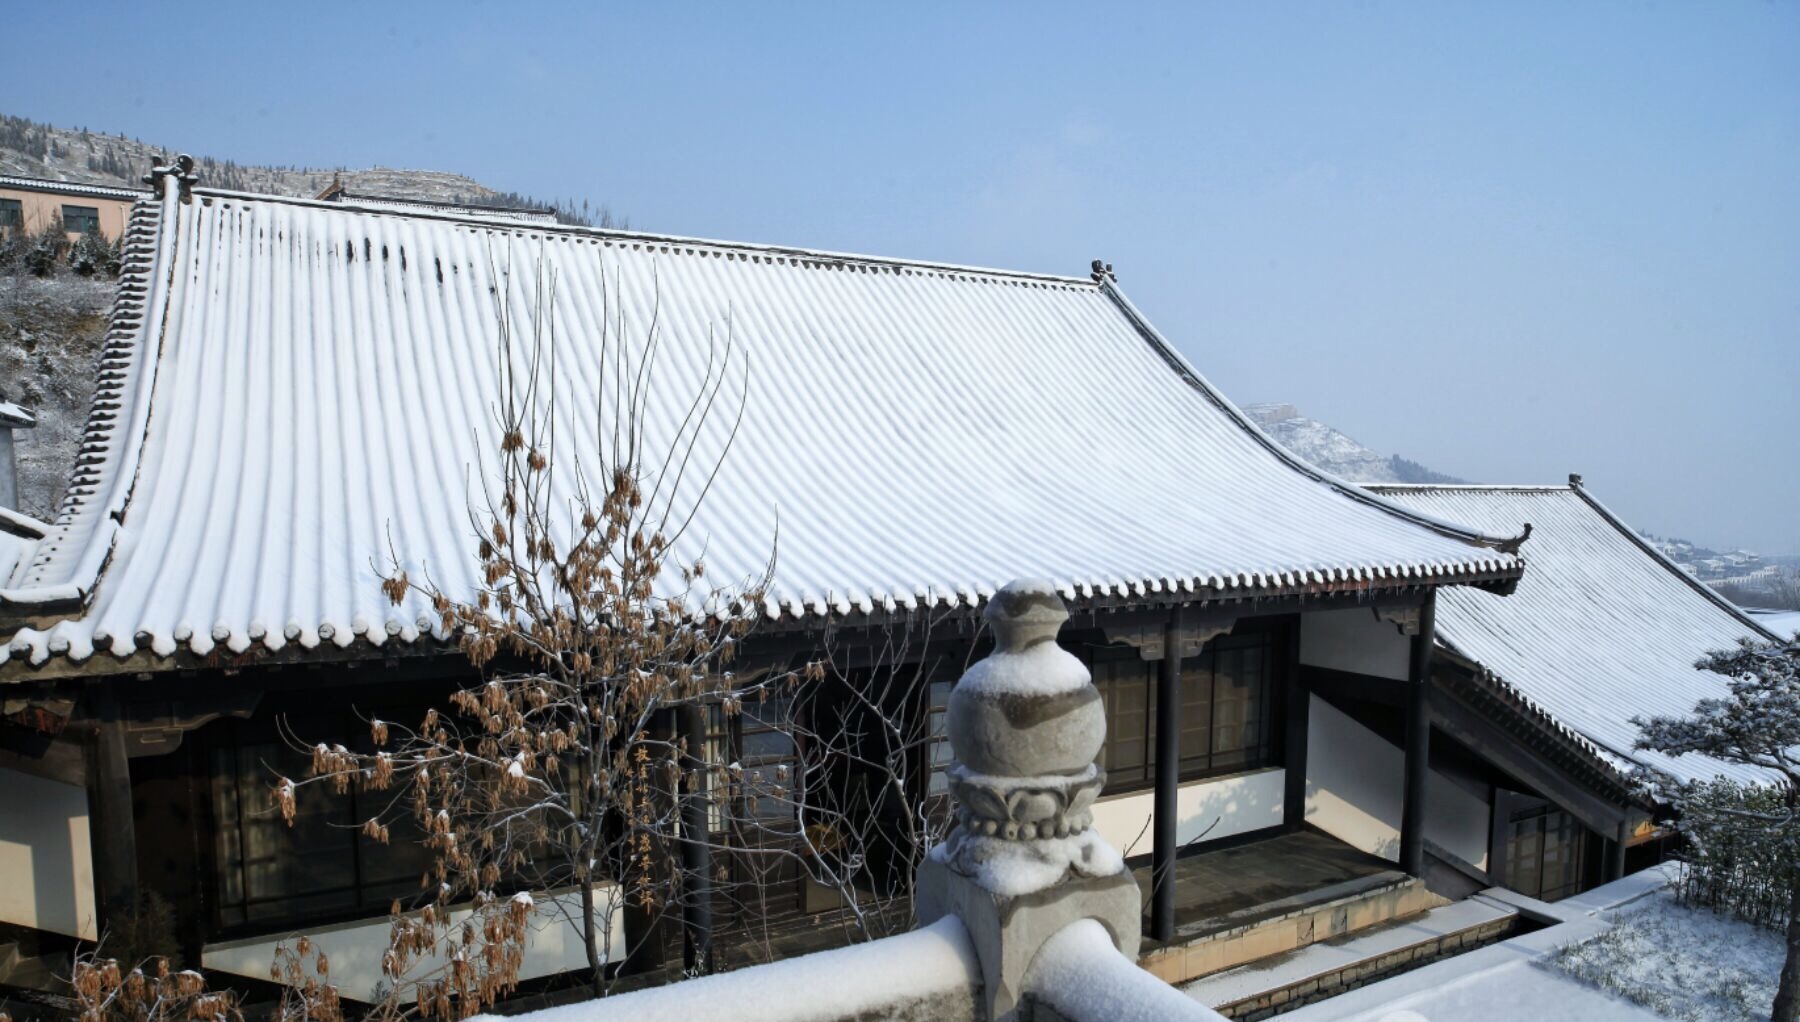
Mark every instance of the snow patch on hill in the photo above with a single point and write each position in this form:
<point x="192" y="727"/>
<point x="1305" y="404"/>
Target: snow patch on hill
<point x="1336" y="452"/>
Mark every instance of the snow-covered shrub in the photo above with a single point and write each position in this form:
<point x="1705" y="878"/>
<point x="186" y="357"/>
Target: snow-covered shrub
<point x="1748" y="871"/>
<point x="43" y="249"/>
<point x="92" y="255"/>
<point x="1744" y="840"/>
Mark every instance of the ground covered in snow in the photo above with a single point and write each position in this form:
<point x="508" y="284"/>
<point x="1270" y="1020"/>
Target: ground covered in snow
<point x="1623" y="952"/>
<point x="1686" y="964"/>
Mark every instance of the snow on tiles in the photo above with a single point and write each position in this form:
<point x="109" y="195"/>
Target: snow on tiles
<point x="357" y="424"/>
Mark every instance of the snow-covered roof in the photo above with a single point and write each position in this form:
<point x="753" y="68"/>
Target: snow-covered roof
<point x="1602" y="627"/>
<point x="293" y="388"/>
<point x="1782" y="622"/>
<point x="19" y="537"/>
<point x="37" y="184"/>
<point x="17" y="416"/>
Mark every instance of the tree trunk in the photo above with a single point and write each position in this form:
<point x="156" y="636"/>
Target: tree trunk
<point x="1787" y="994"/>
<point x="590" y="939"/>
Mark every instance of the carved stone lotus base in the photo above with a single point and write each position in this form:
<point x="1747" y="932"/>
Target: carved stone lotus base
<point x="1024" y="808"/>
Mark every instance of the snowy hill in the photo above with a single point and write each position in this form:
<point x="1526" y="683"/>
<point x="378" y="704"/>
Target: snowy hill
<point x="30" y="149"/>
<point x="1335" y="452"/>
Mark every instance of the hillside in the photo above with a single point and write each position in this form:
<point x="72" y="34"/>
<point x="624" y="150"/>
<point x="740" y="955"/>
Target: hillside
<point x="30" y="149"/>
<point x="1337" y="453"/>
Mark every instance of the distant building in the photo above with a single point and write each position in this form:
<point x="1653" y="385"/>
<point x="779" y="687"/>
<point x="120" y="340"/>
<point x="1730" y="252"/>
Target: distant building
<point x="30" y="203"/>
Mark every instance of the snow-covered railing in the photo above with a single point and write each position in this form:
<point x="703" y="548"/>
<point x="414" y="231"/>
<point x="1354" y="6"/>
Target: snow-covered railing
<point x="921" y="976"/>
<point x="1078" y="976"/>
<point x="1029" y="915"/>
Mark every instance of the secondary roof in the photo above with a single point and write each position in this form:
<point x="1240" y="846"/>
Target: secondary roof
<point x="1601" y="629"/>
<point x="292" y="389"/>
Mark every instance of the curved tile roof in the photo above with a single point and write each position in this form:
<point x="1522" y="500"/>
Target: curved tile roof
<point x="1601" y="629"/>
<point x="293" y="386"/>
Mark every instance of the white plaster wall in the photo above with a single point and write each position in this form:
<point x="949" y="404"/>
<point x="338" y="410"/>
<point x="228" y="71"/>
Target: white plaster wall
<point x="1240" y="802"/>
<point x="1355" y="786"/>
<point x="355" y="949"/>
<point x="1354" y="640"/>
<point x="46" y="861"/>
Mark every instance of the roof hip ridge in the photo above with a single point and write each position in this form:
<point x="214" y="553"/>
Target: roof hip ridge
<point x="1193" y="377"/>
<point x="1662" y="559"/>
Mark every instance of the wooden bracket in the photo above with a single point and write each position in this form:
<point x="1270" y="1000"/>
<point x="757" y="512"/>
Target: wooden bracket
<point x="1149" y="634"/>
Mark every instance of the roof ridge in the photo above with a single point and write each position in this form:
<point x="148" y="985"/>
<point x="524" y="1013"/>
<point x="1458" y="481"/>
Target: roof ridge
<point x="1492" y="487"/>
<point x="612" y="235"/>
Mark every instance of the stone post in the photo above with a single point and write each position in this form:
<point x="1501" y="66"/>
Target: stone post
<point x="1023" y="861"/>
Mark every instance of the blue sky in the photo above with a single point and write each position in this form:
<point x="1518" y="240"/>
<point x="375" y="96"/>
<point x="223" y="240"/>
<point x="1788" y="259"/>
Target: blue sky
<point x="1507" y="240"/>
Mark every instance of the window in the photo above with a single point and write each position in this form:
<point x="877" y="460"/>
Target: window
<point x="81" y="219"/>
<point x="1544" y="852"/>
<point x="12" y="214"/>
<point x="320" y="868"/>
<point x="1227" y="714"/>
<point x="937" y="748"/>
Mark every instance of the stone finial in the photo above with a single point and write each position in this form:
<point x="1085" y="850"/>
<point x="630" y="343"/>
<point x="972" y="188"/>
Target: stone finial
<point x="1025" y="725"/>
<point x="1023" y="860"/>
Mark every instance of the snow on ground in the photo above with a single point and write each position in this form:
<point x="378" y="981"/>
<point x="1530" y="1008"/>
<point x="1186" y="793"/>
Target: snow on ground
<point x="1688" y="964"/>
<point x="1624" y="952"/>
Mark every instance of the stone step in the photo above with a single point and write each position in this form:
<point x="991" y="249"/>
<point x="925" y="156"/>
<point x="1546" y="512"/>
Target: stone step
<point x="1332" y="966"/>
<point x="1207" y="946"/>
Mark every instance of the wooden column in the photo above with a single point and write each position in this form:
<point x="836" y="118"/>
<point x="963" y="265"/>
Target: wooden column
<point x="111" y="830"/>
<point x="1615" y="850"/>
<point x="1168" y="781"/>
<point x="1298" y="705"/>
<point x="1418" y="741"/>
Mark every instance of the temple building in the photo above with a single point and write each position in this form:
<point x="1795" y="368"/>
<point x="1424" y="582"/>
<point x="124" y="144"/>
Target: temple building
<point x="295" y="391"/>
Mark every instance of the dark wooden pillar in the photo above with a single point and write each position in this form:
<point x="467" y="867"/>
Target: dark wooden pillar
<point x="696" y="850"/>
<point x="1615" y="850"/>
<point x="1296" y="702"/>
<point x="111" y="830"/>
<point x="1168" y="781"/>
<point x="1418" y="741"/>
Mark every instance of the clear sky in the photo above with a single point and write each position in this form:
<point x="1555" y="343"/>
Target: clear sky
<point x="1507" y="240"/>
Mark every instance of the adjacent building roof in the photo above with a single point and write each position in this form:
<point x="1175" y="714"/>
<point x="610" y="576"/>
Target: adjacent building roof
<point x="293" y="389"/>
<point x="16" y="416"/>
<point x="1782" y="622"/>
<point x="1601" y="629"/>
<point x="36" y="184"/>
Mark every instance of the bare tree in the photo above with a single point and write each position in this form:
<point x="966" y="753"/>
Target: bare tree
<point x="561" y="771"/>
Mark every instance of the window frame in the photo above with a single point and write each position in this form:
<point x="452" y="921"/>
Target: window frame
<point x="89" y="216"/>
<point x="1273" y="637"/>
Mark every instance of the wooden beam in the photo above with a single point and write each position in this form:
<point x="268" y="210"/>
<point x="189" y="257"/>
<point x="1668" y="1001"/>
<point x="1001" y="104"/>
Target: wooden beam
<point x="1513" y="757"/>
